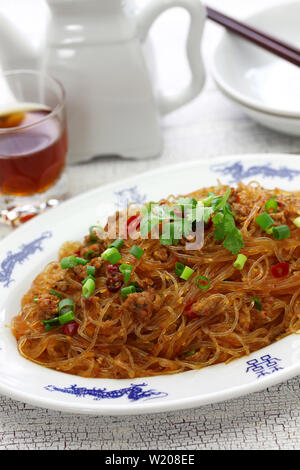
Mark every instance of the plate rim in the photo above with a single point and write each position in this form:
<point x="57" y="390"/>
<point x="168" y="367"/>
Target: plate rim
<point x="168" y="406"/>
<point x="172" y="404"/>
<point x="235" y="95"/>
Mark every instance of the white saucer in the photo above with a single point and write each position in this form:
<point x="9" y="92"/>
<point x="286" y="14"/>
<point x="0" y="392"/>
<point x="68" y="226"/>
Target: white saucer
<point x="265" y="86"/>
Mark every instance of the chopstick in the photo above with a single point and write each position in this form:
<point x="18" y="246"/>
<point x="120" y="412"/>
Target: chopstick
<point x="266" y="41"/>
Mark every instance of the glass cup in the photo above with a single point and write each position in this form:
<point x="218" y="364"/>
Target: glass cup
<point x="33" y="144"/>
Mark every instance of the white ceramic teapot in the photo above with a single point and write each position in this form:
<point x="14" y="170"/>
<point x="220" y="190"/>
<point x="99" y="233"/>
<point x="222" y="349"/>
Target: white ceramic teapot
<point x="94" y="48"/>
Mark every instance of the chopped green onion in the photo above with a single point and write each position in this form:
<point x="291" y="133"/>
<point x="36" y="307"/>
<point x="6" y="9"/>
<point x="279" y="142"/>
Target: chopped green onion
<point x="51" y="324"/>
<point x="65" y="306"/>
<point x="265" y="221"/>
<point x="127" y="275"/>
<point x="125" y="291"/>
<point x="91" y="230"/>
<point x="189" y="353"/>
<point x="54" y="292"/>
<point x="91" y="270"/>
<point x="203" y="286"/>
<point x="182" y="271"/>
<point x="179" y="267"/>
<point x="50" y="327"/>
<point x="117" y="243"/>
<point x="68" y="262"/>
<point x="271" y="205"/>
<point x="81" y="261"/>
<point x="66" y="317"/>
<point x="126" y="270"/>
<point x="112" y="255"/>
<point x="137" y="251"/>
<point x="240" y="261"/>
<point x="89" y="254"/>
<point x="281" y="232"/>
<point x="72" y="261"/>
<point x="297" y="222"/>
<point x="186" y="273"/>
<point x="88" y="277"/>
<point x="138" y="288"/>
<point x="88" y="288"/>
<point x="36" y="299"/>
<point x="125" y="267"/>
<point x="257" y="303"/>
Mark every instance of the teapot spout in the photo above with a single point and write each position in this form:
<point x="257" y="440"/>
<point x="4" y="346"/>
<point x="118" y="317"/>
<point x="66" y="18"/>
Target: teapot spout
<point x="16" y="51"/>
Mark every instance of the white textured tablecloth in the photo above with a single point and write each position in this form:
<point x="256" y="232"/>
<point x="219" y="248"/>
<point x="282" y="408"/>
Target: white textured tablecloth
<point x="208" y="127"/>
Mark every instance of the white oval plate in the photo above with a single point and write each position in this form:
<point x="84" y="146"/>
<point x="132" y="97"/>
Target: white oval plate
<point x="265" y="86"/>
<point x="25" y="252"/>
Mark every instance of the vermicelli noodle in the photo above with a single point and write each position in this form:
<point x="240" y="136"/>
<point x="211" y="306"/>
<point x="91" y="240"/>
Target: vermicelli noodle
<point x="168" y="324"/>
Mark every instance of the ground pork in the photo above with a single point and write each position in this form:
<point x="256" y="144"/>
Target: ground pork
<point x="142" y="304"/>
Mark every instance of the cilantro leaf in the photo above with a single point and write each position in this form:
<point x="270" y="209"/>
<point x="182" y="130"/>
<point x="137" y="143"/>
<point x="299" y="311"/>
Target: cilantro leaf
<point x="185" y="201"/>
<point x="219" y="232"/>
<point x="229" y="223"/>
<point x="208" y="212"/>
<point x="234" y="242"/>
<point x="225" y="228"/>
<point x="218" y="219"/>
<point x="207" y="201"/>
<point x="178" y="219"/>
<point x="199" y="213"/>
<point x="221" y="204"/>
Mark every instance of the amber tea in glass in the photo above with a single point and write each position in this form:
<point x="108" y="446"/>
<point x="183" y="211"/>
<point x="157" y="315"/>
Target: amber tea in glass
<point x="33" y="145"/>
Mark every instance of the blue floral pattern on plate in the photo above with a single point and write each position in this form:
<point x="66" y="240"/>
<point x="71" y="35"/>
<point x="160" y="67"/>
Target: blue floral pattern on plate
<point x="238" y="171"/>
<point x="127" y="195"/>
<point x="9" y="263"/>
<point x="135" y="392"/>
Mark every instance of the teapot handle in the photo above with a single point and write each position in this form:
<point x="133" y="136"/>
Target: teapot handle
<point x="197" y="14"/>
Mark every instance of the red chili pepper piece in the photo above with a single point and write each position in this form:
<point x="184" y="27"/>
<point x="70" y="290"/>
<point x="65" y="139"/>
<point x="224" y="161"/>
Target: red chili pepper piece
<point x="189" y="313"/>
<point x="70" y="329"/>
<point x="280" y="269"/>
<point x="112" y="269"/>
<point x="114" y="283"/>
<point x="133" y="223"/>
